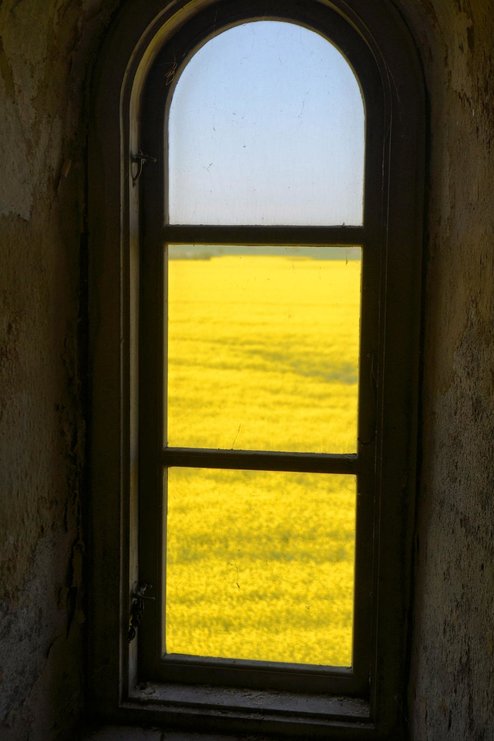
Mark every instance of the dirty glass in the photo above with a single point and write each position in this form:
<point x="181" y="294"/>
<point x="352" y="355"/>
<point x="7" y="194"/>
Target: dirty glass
<point x="266" y="126"/>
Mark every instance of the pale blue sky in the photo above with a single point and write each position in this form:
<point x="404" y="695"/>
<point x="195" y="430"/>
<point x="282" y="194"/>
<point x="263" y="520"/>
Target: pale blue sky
<point x="266" y="127"/>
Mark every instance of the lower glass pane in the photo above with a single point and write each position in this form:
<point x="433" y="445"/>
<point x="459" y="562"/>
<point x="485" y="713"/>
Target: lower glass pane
<point x="260" y="565"/>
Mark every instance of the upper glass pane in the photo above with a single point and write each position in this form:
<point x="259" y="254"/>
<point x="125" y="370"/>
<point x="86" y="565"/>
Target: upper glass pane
<point x="266" y="127"/>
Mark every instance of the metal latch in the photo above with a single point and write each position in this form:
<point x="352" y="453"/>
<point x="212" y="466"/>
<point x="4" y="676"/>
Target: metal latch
<point x="137" y="598"/>
<point x="140" y="160"/>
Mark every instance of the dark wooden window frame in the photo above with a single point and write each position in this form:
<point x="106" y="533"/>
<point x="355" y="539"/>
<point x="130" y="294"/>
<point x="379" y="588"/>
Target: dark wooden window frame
<point x="148" y="42"/>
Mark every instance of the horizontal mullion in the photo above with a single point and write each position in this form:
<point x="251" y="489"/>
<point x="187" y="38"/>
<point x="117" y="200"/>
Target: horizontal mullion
<point x="260" y="460"/>
<point x="264" y="235"/>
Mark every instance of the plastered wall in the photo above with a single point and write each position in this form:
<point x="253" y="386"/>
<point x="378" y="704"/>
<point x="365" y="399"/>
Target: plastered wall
<point x="451" y="692"/>
<point x="46" y="50"/>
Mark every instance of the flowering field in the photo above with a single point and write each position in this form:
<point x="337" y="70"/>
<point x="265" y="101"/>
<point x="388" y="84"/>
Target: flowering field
<point x="263" y="354"/>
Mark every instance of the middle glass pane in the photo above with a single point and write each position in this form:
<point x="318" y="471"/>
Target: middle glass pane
<point x="263" y="347"/>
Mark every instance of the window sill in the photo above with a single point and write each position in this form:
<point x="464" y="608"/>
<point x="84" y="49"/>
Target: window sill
<point x="231" y="710"/>
<point x="135" y="733"/>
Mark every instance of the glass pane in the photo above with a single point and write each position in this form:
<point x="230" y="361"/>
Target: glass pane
<point x="266" y="126"/>
<point x="260" y="565"/>
<point x="263" y="347"/>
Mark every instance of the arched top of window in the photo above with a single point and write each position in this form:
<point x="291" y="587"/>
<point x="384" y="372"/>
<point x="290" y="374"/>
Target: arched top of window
<point x="164" y="176"/>
<point x="266" y="126"/>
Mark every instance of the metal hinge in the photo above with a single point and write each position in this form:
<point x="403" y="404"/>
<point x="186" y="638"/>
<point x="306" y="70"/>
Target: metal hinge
<point x="139" y="159"/>
<point x="137" y="598"/>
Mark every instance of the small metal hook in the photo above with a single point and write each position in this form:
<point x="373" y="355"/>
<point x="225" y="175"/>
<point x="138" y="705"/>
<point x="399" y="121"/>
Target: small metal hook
<point x="140" y="160"/>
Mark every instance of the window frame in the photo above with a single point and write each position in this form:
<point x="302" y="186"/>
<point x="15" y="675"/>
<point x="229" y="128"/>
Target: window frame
<point x="134" y="59"/>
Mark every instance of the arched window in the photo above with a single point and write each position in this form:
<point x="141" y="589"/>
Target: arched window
<point x="256" y="207"/>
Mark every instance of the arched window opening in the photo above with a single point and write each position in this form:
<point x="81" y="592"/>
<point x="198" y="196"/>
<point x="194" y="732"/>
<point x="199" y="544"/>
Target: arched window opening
<point x="266" y="126"/>
<point x="260" y="321"/>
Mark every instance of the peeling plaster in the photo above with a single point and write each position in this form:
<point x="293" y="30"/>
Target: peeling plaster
<point x="452" y="668"/>
<point x="46" y="52"/>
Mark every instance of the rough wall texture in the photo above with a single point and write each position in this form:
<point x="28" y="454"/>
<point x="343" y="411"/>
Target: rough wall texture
<point x="45" y="47"/>
<point x="452" y="679"/>
<point x="45" y="50"/>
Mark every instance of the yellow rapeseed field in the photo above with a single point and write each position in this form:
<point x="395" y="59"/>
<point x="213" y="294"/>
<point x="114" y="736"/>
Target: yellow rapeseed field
<point x="263" y="354"/>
